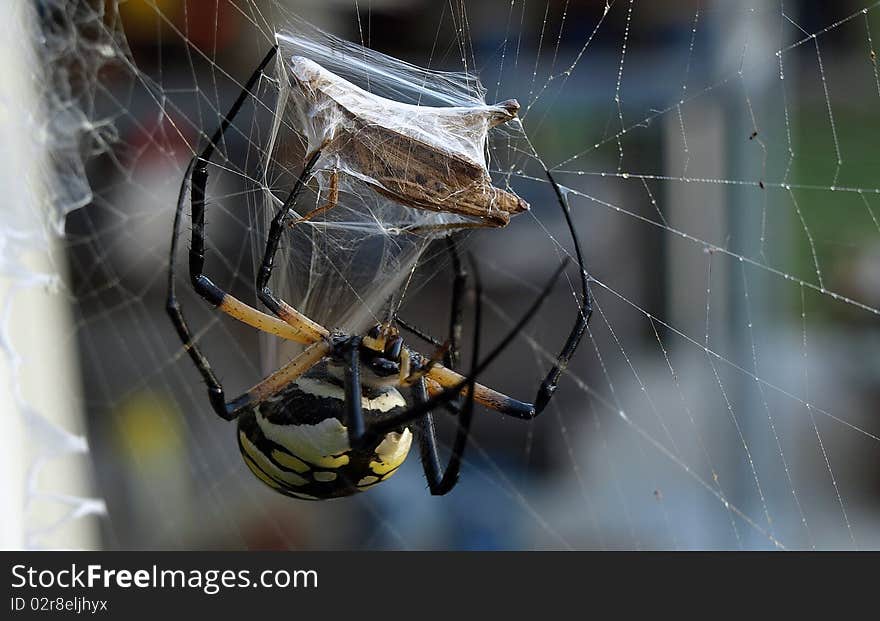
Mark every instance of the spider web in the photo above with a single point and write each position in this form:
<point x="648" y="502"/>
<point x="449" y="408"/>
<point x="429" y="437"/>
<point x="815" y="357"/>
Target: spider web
<point x="720" y="163"/>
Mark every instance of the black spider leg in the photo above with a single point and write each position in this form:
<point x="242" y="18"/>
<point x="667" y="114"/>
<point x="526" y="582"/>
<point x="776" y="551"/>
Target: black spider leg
<point x="357" y="434"/>
<point x="202" y="284"/>
<point x="265" y="294"/>
<point x="353" y="394"/>
<point x="196" y="179"/>
<point x="548" y="386"/>
<point x="451" y="355"/>
<point x="459" y="283"/>
<point x="172" y="307"/>
<point x="457" y="309"/>
<point x="441" y="481"/>
<point x="419" y="333"/>
<point x="418" y="410"/>
<point x="452" y="407"/>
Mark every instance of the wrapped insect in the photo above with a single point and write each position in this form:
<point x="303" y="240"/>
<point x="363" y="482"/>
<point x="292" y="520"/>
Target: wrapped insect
<point x="403" y="160"/>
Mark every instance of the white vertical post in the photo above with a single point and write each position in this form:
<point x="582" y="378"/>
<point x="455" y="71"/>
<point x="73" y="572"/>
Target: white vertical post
<point x="43" y="487"/>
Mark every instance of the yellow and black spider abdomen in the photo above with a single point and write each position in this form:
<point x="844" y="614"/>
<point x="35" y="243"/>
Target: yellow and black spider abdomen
<point x="297" y="442"/>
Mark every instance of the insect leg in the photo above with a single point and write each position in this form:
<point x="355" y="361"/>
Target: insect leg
<point x="332" y="200"/>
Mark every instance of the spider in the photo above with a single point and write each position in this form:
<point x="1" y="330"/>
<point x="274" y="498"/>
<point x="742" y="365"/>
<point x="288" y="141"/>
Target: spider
<point x="332" y="421"/>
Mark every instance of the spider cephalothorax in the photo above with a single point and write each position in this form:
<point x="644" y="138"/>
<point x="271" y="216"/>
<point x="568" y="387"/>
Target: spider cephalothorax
<point x="335" y="419"/>
<point x="383" y="353"/>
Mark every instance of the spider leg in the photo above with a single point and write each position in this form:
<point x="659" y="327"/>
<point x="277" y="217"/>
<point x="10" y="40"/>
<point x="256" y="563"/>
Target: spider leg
<point x="427" y="436"/>
<point x="442" y="482"/>
<point x="222" y="300"/>
<point x="233" y="111"/>
<point x="450" y="357"/>
<point x="194" y="182"/>
<point x="419" y="333"/>
<point x="448" y="393"/>
<point x="275" y="382"/>
<point x="303" y="331"/>
<point x="278" y="306"/>
<point x="353" y="395"/>
<point x="172" y="306"/>
<point x="442" y="379"/>
<point x="310" y="330"/>
<point x="459" y="284"/>
<point x="548" y="386"/>
<point x="198" y="174"/>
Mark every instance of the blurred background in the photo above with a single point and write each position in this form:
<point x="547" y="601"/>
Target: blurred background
<point x="721" y="163"/>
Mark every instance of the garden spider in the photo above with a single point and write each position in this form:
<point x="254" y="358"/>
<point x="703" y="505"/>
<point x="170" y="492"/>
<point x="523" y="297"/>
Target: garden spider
<point x="331" y="422"/>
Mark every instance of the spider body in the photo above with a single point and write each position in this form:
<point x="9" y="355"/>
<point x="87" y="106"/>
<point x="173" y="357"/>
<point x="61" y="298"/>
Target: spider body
<point x="341" y="416"/>
<point x="297" y="441"/>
